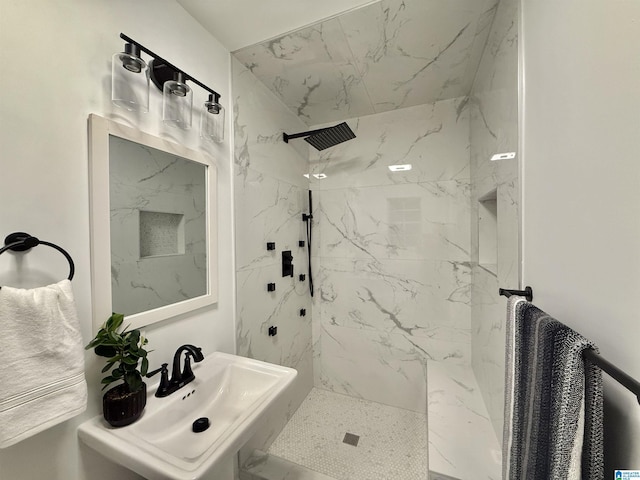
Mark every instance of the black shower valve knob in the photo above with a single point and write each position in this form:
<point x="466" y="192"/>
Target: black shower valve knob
<point x="302" y="277"/>
<point x="271" y="287"/>
<point x="273" y="331"/>
<point x="303" y="312"/>
<point x="301" y="243"/>
<point x="287" y="264"/>
<point x="271" y="245"/>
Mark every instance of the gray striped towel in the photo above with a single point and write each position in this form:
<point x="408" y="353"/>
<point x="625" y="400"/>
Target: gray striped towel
<point x="553" y="400"/>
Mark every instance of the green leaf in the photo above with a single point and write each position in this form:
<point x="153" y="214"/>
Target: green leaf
<point x="107" y="367"/>
<point x="123" y="351"/>
<point x="105" y="351"/>
<point x="130" y="367"/>
<point x="115" y="338"/>
<point x="130" y="361"/>
<point x="116" y="320"/>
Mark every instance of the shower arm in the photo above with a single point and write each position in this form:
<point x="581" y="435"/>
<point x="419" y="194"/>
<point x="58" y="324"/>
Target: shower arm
<point x="286" y="137"/>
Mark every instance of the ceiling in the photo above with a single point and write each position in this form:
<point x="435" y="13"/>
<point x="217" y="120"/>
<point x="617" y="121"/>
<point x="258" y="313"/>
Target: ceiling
<point x="239" y="23"/>
<point x="385" y="55"/>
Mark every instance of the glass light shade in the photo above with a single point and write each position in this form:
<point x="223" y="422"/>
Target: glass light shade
<point x="177" y="102"/>
<point x="212" y="121"/>
<point x="130" y="82"/>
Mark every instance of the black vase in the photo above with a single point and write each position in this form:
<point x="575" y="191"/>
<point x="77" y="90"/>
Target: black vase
<point x="121" y="407"/>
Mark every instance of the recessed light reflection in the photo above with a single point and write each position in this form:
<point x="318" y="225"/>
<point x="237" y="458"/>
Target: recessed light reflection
<point x="319" y="176"/>
<point x="306" y="175"/>
<point x="503" y="156"/>
<point x="400" y="168"/>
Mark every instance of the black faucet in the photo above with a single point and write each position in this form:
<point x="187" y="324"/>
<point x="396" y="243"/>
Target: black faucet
<point x="178" y="378"/>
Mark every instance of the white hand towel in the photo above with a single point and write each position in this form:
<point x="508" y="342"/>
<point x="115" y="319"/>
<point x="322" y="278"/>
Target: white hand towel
<point x="42" y="379"/>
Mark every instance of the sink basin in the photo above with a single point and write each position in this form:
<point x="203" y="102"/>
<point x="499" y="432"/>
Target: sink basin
<point x="231" y="391"/>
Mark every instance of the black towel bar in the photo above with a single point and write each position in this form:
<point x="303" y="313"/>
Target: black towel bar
<point x="21" y="241"/>
<point x="614" y="372"/>
<point x="609" y="368"/>
<point x="527" y="293"/>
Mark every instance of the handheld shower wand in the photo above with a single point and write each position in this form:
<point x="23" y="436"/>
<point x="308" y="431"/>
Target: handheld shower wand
<point x="309" y="220"/>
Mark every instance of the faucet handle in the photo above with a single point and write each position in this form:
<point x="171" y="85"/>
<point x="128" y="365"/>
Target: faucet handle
<point x="162" y="369"/>
<point x="163" y="388"/>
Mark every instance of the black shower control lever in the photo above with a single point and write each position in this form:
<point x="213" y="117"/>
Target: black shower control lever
<point x="302" y="277"/>
<point x="271" y="245"/>
<point x="301" y="243"/>
<point x="303" y="312"/>
<point x="273" y="331"/>
<point x="271" y="287"/>
<point x="287" y="264"/>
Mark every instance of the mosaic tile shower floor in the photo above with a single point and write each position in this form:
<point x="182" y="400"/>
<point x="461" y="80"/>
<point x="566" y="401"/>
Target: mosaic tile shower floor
<point x="392" y="442"/>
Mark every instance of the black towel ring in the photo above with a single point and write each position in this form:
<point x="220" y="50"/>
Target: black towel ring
<point x="21" y="241"/>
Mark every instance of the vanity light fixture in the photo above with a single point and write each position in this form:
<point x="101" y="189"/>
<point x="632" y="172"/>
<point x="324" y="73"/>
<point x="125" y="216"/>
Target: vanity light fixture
<point x="400" y="168"/>
<point x="130" y="80"/>
<point x="177" y="102"/>
<point x="130" y="89"/>
<point x="212" y="119"/>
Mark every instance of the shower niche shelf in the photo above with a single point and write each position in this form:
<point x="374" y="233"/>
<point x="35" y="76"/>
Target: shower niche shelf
<point x="488" y="231"/>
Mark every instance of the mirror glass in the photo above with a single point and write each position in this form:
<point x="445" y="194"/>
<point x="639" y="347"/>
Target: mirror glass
<point x="158" y="227"/>
<point x="153" y="221"/>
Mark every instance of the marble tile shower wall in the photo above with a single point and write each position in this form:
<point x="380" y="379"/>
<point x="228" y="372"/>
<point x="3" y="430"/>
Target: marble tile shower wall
<point x="494" y="129"/>
<point x="392" y="257"/>
<point x="386" y="55"/>
<point x="270" y="197"/>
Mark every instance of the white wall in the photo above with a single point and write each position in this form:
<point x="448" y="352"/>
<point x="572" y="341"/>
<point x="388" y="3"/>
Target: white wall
<point x="581" y="181"/>
<point x="55" y="59"/>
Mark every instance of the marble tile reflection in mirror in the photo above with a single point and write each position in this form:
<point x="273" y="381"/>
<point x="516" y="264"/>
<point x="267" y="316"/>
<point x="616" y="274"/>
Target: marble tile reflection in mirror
<point x="154" y="230"/>
<point x="158" y="227"/>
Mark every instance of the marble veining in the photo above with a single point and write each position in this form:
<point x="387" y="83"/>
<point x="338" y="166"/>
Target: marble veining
<point x="401" y="221"/>
<point x="145" y="182"/>
<point x="391" y="262"/>
<point x="462" y="443"/>
<point x="386" y="55"/>
<point x="395" y="296"/>
<point x="270" y="196"/>
<point x="433" y="139"/>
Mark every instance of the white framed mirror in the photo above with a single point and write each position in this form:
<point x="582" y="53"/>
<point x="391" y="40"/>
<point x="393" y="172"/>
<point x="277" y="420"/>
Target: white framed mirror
<point x="153" y="226"/>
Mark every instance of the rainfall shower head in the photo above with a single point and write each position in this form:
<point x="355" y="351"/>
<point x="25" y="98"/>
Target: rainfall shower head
<point x="324" y="137"/>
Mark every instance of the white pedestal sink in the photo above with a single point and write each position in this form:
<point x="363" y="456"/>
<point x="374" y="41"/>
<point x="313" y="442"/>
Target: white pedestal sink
<point x="231" y="391"/>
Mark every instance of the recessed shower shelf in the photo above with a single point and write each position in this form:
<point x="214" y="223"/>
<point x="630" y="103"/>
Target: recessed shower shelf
<point x="488" y="232"/>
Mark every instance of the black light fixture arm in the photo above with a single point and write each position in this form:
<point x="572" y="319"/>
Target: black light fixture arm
<point x="216" y="95"/>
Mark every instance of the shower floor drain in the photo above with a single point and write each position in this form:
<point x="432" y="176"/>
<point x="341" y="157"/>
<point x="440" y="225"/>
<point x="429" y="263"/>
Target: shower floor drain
<point x="351" y="439"/>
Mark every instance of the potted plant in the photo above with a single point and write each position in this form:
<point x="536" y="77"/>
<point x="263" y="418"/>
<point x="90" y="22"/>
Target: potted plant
<point x="124" y="403"/>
